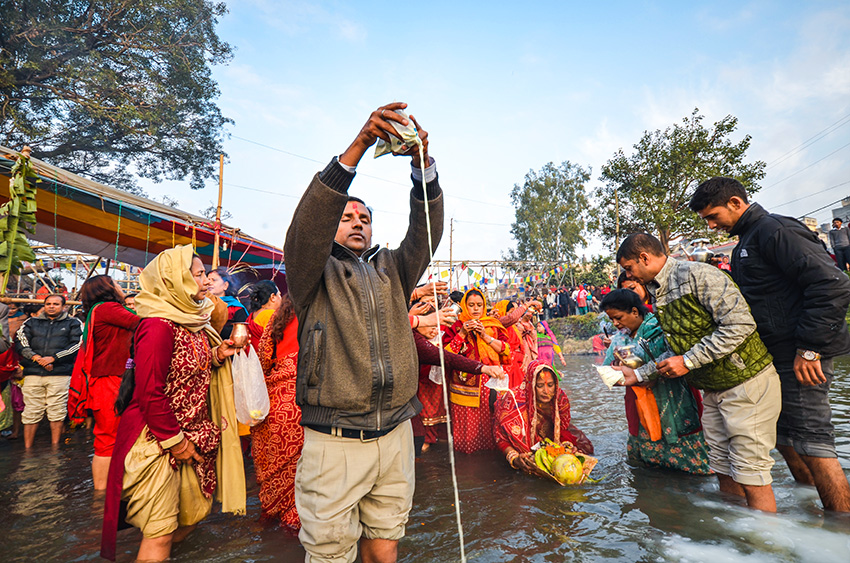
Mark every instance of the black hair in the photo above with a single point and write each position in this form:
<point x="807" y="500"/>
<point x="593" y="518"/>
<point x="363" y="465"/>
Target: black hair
<point x="261" y="292"/>
<point x="226" y="277"/>
<point x="637" y="243"/>
<point x="59" y="295"/>
<point x="623" y="300"/>
<point x="456" y="296"/>
<point x="476" y="291"/>
<point x="715" y="192"/>
<point x="358" y="200"/>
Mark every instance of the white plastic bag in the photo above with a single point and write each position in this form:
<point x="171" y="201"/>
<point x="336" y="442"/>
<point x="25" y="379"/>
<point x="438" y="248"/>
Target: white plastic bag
<point x="249" y="388"/>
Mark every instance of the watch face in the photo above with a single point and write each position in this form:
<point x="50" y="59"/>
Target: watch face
<point x="809" y="355"/>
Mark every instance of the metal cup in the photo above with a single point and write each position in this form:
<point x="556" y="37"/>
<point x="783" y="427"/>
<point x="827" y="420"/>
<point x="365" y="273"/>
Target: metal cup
<point x="239" y="335"/>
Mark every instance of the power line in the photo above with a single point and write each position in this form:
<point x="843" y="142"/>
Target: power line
<point x="810" y="195"/>
<point x="307" y="158"/>
<point x="810" y="141"/>
<point x="820" y="208"/>
<point x="809" y="166"/>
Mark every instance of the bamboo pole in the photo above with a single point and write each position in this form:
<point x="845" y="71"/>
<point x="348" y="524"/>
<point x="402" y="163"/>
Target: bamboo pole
<point x="218" y="210"/>
<point x="33" y="300"/>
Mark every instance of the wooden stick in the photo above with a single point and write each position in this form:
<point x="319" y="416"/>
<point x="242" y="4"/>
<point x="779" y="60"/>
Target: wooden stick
<point x="31" y="300"/>
<point x="218" y="211"/>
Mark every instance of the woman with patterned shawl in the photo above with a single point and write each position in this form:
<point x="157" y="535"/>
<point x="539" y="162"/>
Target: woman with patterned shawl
<point x="535" y="410"/>
<point x="277" y="441"/>
<point x="682" y="445"/>
<point x="482" y="338"/>
<point x="177" y="444"/>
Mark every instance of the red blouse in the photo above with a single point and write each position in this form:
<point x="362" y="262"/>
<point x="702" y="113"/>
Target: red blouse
<point x="113" y="331"/>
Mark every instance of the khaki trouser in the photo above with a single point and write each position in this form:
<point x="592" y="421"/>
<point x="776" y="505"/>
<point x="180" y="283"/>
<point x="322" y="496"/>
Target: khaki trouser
<point x="45" y="393"/>
<point x="739" y="425"/>
<point x="346" y="488"/>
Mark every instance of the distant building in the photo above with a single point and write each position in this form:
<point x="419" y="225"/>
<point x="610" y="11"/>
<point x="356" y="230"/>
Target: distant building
<point x="811" y="223"/>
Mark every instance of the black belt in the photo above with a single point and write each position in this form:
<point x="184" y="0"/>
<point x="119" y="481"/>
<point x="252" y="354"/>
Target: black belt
<point x="363" y="435"/>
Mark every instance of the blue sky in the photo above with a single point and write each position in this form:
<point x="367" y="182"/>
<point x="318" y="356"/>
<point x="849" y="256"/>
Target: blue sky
<point x="504" y="87"/>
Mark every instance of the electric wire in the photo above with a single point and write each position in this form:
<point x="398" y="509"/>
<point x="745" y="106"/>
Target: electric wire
<point x="810" y="141"/>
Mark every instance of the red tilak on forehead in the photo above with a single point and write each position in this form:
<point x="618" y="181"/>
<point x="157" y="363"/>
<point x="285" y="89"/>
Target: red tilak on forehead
<point x="356" y="209"/>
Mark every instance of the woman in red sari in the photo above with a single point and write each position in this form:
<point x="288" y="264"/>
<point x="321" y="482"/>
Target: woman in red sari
<point x="265" y="299"/>
<point x="277" y="441"/>
<point x="103" y="360"/>
<point x="429" y="424"/>
<point x="535" y="410"/>
<point x="482" y="338"/>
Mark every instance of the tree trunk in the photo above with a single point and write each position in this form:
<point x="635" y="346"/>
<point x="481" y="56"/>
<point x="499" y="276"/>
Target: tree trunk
<point x="664" y="237"/>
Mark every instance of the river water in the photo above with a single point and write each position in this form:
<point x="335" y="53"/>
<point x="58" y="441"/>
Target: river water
<point x="48" y="511"/>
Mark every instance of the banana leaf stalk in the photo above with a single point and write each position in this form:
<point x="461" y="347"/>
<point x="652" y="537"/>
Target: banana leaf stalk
<point x="17" y="213"/>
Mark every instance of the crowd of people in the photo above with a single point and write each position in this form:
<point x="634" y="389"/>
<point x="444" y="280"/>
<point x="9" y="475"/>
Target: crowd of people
<point x="730" y="364"/>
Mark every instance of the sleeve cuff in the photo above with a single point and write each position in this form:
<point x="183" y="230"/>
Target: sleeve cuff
<point x="430" y="171"/>
<point x="336" y="176"/>
<point x="171" y="442"/>
<point x="693" y="360"/>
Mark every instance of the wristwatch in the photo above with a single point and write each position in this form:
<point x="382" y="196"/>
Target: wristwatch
<point x="808" y="355"/>
<point x="688" y="363"/>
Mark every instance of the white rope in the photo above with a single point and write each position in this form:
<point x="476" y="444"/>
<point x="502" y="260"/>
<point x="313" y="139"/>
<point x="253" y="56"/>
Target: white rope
<point x="442" y="354"/>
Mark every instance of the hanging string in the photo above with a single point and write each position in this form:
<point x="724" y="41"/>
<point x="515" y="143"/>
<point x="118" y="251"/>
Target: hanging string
<point x="194" y="239"/>
<point x="118" y="231"/>
<point x="250" y="244"/>
<point x="442" y="357"/>
<point x="147" y="239"/>
<point x="173" y="235"/>
<point x="232" y="244"/>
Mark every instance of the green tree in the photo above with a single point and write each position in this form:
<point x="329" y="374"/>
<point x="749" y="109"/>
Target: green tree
<point x="596" y="271"/>
<point x="552" y="209"/>
<point x="656" y="182"/>
<point x="113" y="88"/>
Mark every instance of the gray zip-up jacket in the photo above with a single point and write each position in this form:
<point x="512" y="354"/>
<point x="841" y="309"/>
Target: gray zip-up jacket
<point x="357" y="362"/>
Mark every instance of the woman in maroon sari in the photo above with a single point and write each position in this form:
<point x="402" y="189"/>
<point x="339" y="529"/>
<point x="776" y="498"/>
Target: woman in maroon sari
<point x="535" y="410"/>
<point x="484" y="339"/>
<point x="277" y="441"/>
<point x="428" y="425"/>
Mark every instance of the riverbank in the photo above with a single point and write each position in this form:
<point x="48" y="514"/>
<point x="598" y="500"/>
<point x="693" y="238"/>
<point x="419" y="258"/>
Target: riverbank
<point x="575" y="333"/>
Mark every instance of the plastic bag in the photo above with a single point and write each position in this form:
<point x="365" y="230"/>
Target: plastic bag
<point x="407" y="135"/>
<point x="249" y="388"/>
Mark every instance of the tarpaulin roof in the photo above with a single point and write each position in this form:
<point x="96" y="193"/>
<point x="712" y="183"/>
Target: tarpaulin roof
<point x="86" y="216"/>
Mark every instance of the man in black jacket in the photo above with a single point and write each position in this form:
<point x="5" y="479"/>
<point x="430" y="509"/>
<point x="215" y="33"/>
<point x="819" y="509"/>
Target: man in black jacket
<point x="47" y="345"/>
<point x="799" y="300"/>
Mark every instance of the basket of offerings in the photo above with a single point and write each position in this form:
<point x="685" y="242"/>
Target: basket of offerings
<point x="562" y="463"/>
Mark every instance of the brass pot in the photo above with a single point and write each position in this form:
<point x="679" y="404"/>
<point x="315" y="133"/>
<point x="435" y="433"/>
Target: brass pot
<point x="239" y="335"/>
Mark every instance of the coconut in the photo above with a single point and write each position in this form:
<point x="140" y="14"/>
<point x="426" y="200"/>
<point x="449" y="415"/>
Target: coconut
<point x="567" y="469"/>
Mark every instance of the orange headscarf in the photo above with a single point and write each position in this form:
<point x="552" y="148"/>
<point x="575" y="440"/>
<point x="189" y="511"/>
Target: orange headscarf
<point x="491" y="327"/>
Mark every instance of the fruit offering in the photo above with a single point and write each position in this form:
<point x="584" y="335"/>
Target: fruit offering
<point x="563" y="462"/>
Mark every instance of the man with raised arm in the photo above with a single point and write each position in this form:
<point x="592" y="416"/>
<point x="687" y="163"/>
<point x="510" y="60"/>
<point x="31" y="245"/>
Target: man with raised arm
<point x="357" y="363"/>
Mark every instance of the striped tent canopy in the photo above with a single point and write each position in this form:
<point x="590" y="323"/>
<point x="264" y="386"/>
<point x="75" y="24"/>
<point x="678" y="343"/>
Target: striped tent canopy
<point x="85" y="216"/>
